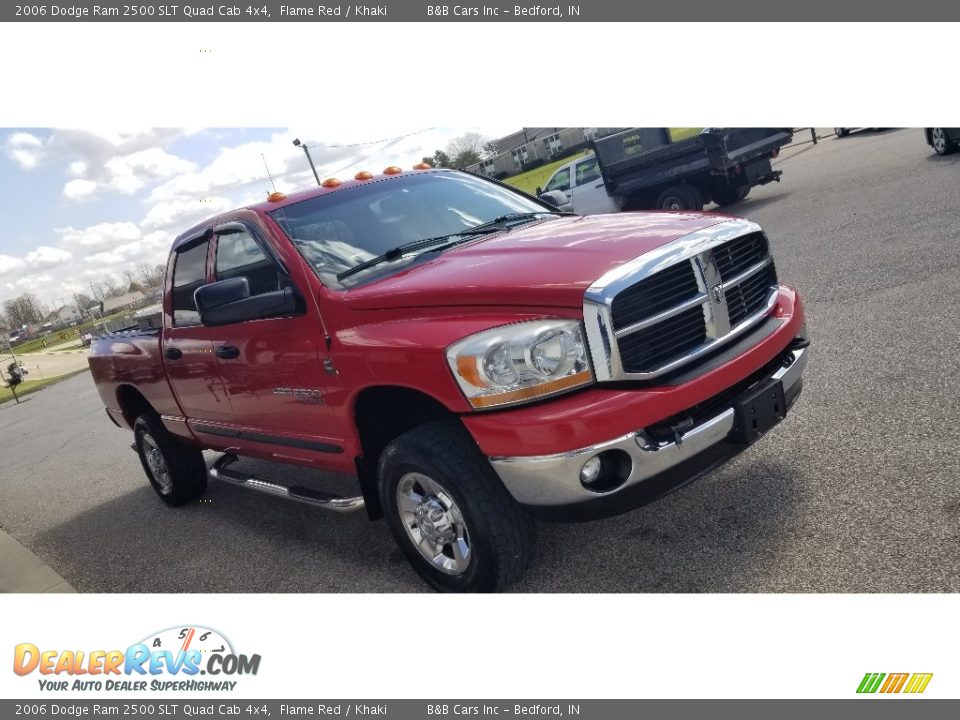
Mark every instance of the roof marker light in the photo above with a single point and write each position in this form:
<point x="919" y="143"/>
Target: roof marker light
<point x="330" y="182"/>
<point x="392" y="170"/>
<point x="363" y="175"/>
<point x="422" y="166"/>
<point x="276" y="197"/>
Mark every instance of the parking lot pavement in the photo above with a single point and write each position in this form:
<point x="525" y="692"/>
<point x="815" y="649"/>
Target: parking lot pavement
<point x="856" y="491"/>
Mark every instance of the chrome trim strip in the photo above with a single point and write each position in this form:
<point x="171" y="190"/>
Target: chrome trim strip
<point x="552" y="480"/>
<point x="665" y="315"/>
<point x="748" y="273"/>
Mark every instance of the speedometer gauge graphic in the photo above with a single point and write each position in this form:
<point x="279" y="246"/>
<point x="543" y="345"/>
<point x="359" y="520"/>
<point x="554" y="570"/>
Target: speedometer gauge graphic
<point x="185" y="638"/>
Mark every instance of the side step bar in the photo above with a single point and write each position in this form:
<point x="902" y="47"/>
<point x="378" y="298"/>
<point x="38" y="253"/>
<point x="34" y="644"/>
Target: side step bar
<point x="221" y="471"/>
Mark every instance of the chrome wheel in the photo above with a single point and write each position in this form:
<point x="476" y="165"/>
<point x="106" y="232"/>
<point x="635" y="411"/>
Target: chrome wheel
<point x="939" y="138"/>
<point x="673" y="203"/>
<point x="434" y="523"/>
<point x="157" y="464"/>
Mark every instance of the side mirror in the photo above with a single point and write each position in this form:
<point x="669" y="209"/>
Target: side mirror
<point x="229" y="301"/>
<point x="539" y="190"/>
<point x="556" y="198"/>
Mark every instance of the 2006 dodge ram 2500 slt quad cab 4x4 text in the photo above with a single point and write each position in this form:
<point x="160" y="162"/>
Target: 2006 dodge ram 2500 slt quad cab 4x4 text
<point x="474" y="357"/>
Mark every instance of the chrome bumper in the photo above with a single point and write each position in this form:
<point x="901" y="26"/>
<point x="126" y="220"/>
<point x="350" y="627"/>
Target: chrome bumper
<point x="554" y="480"/>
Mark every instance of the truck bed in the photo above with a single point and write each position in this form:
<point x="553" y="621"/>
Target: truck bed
<point x="639" y="158"/>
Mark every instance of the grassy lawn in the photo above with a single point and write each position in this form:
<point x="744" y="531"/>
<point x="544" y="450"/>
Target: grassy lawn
<point x="532" y="179"/>
<point x="54" y="338"/>
<point x="29" y="386"/>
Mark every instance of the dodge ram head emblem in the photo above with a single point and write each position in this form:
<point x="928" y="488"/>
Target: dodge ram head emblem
<point x="717" y="292"/>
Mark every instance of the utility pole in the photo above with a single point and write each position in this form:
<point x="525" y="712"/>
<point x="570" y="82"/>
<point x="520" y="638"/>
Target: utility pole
<point x="297" y="143"/>
<point x="13" y="385"/>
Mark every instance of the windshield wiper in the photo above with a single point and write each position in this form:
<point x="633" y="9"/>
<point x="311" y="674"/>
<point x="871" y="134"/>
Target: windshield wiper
<point x="516" y="217"/>
<point x="401" y="250"/>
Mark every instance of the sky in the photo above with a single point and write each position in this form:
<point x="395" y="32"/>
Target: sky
<point x="81" y="205"/>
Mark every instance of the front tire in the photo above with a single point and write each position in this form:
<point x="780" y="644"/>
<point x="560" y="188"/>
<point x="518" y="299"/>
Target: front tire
<point x="176" y="471"/>
<point x="680" y="197"/>
<point x="447" y="510"/>
<point x="841" y="132"/>
<point x="942" y="144"/>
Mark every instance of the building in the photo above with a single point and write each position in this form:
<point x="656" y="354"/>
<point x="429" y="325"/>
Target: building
<point x="126" y="301"/>
<point x="531" y="147"/>
<point x="65" y="315"/>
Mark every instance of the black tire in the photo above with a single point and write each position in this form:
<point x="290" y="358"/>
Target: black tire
<point x="728" y="195"/>
<point x="842" y="132"/>
<point x="500" y="532"/>
<point x="680" y="197"/>
<point x="941" y="142"/>
<point x="186" y="476"/>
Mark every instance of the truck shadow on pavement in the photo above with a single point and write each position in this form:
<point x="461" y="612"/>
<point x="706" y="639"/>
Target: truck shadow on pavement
<point x="704" y="538"/>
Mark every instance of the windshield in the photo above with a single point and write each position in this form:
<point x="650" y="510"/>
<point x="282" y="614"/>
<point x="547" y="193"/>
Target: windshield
<point x="340" y="230"/>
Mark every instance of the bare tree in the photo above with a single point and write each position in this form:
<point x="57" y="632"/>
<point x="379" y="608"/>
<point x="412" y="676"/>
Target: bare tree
<point x="22" y="310"/>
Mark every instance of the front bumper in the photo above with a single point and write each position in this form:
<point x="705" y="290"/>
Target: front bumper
<point x="550" y="484"/>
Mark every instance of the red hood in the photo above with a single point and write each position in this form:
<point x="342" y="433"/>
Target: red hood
<point x="550" y="263"/>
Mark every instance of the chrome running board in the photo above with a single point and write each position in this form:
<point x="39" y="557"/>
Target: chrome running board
<point x="221" y="471"/>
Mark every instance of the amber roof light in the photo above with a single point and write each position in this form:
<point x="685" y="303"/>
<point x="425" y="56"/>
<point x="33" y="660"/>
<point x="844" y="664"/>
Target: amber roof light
<point x="276" y="197"/>
<point x="422" y="166"/>
<point x="363" y="175"/>
<point x="330" y="182"/>
<point x="392" y="170"/>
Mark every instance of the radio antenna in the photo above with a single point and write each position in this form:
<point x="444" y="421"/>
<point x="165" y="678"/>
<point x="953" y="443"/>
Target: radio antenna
<point x="263" y="157"/>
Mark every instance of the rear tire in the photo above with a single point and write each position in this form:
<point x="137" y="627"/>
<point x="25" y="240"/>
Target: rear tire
<point x="842" y="132"/>
<point x="942" y="144"/>
<point x="176" y="471"/>
<point x="727" y="195"/>
<point x="447" y="510"/>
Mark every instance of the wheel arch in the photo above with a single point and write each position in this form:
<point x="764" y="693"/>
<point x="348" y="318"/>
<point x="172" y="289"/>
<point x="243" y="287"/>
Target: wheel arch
<point x="381" y="413"/>
<point x="132" y="403"/>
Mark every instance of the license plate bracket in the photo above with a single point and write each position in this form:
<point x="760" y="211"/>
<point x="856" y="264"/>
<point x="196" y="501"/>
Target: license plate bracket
<point x="758" y="410"/>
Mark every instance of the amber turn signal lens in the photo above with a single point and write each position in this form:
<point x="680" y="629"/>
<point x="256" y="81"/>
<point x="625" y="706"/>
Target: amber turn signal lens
<point x="330" y="182"/>
<point x="392" y="170"/>
<point x="276" y="197"/>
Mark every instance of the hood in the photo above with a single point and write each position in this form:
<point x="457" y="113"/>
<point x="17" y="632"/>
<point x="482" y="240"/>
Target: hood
<point x="549" y="264"/>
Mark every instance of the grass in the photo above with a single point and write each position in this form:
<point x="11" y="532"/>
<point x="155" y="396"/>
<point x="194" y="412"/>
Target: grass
<point x="31" y="386"/>
<point x="54" y="337"/>
<point x="532" y="179"/>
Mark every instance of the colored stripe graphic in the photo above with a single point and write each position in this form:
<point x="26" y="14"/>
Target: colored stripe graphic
<point x="870" y="682"/>
<point x="918" y="683"/>
<point x="894" y="683"/>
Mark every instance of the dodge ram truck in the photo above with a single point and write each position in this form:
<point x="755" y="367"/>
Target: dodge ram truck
<point x="472" y="356"/>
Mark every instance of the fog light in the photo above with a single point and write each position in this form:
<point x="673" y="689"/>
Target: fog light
<point x="591" y="469"/>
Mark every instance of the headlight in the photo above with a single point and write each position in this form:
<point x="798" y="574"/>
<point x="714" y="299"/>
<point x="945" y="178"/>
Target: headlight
<point x="521" y="362"/>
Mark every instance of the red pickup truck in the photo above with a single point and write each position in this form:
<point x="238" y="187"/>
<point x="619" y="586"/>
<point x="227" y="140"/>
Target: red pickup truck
<point x="474" y="357"/>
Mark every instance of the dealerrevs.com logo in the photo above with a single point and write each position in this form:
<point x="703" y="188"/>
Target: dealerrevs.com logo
<point x="172" y="659"/>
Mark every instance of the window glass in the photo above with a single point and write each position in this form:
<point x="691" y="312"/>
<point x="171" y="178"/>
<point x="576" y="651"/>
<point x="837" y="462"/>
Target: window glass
<point x="587" y="171"/>
<point x="189" y="273"/>
<point x="560" y="181"/>
<point x="239" y="255"/>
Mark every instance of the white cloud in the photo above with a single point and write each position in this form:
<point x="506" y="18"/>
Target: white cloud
<point x="78" y="167"/>
<point x="180" y="214"/>
<point x="9" y="264"/>
<point x="25" y="149"/>
<point x="79" y="188"/>
<point x="100" y="236"/>
<point x="45" y="256"/>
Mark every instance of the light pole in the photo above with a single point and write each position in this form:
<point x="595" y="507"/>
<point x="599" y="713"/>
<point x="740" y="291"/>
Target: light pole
<point x="297" y="143"/>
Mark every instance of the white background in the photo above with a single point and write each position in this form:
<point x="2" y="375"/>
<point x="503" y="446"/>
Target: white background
<point x="418" y="75"/>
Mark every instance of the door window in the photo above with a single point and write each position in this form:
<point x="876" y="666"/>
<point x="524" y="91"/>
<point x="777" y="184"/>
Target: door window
<point x="560" y="181"/>
<point x="189" y="273"/>
<point x="587" y="171"/>
<point x="239" y="255"/>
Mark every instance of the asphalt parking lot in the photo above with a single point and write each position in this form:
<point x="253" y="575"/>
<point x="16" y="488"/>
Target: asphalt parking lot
<point x="857" y="491"/>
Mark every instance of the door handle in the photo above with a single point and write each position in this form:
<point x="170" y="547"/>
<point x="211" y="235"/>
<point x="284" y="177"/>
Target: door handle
<point x="173" y="353"/>
<point x="228" y="352"/>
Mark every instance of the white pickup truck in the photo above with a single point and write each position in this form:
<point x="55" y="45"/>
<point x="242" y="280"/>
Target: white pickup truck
<point x="644" y="168"/>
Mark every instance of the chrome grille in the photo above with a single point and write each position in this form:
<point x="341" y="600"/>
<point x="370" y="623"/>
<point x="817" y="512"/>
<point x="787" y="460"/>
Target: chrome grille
<point x="671" y="306"/>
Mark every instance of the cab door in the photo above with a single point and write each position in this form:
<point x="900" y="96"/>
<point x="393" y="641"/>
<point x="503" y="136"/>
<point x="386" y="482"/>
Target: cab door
<point x="271" y="368"/>
<point x="588" y="194"/>
<point x="187" y="345"/>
